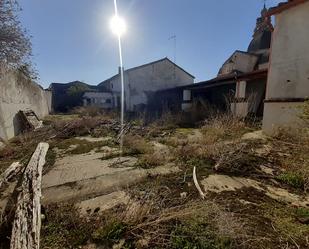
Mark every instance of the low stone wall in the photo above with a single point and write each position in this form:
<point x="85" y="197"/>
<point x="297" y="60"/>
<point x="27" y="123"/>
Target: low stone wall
<point x="17" y="92"/>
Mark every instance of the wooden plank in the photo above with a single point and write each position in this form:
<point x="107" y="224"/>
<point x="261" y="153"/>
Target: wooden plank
<point x="10" y="173"/>
<point x="197" y="185"/>
<point x="27" y="221"/>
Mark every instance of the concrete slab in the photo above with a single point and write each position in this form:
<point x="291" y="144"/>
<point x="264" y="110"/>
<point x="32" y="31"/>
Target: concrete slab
<point x="79" y="180"/>
<point x="256" y="135"/>
<point x="101" y="203"/>
<point x="219" y="183"/>
<point x="74" y="168"/>
<point x="94" y="139"/>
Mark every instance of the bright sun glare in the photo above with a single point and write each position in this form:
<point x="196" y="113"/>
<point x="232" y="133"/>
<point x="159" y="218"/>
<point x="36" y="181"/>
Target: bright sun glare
<point x="118" y="25"/>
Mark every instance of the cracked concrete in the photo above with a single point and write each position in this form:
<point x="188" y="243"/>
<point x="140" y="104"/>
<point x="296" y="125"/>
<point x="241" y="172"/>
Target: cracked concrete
<point x="78" y="177"/>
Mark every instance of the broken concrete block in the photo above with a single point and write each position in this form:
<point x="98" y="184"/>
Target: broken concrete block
<point x="29" y="120"/>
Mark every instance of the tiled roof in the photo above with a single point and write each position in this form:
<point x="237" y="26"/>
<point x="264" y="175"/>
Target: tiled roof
<point x="284" y="6"/>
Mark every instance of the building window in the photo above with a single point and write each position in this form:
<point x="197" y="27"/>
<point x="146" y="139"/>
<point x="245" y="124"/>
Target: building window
<point x="108" y="101"/>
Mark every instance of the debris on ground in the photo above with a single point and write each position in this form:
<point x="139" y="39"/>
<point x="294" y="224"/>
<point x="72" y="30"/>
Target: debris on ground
<point x="29" y="120"/>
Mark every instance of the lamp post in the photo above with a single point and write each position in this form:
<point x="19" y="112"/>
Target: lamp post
<point x="118" y="27"/>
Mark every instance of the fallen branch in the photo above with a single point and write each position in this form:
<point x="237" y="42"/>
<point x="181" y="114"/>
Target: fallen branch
<point x="27" y="221"/>
<point x="197" y="185"/>
<point x="10" y="173"/>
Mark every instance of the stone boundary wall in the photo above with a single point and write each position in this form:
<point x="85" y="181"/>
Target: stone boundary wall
<point x="17" y="92"/>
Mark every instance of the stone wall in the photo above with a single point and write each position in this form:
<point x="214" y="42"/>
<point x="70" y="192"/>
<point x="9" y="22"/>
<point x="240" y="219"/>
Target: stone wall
<point x="17" y="93"/>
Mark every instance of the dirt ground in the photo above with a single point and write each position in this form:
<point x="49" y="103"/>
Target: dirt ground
<point x="95" y="196"/>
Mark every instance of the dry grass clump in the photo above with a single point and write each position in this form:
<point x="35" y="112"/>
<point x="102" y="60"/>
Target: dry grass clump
<point x="305" y="113"/>
<point x="288" y="224"/>
<point x="293" y="149"/>
<point x="151" y="160"/>
<point x="77" y="127"/>
<point x="239" y="159"/>
<point x="191" y="225"/>
<point x="95" y="126"/>
<point x="134" y="145"/>
<point x="169" y="121"/>
<point x="64" y="228"/>
<point x="93" y="111"/>
<point x="223" y="127"/>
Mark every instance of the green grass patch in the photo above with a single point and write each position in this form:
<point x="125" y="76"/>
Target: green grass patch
<point x="197" y="235"/>
<point x="302" y="212"/>
<point x="82" y="146"/>
<point x="293" y="179"/>
<point x="110" y="233"/>
<point x="64" y="228"/>
<point x="283" y="219"/>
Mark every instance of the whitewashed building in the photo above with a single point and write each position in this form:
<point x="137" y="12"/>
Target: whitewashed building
<point x="288" y="77"/>
<point x="98" y="99"/>
<point x="143" y="81"/>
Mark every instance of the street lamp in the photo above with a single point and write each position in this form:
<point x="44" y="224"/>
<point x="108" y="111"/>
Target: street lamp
<point x="118" y="27"/>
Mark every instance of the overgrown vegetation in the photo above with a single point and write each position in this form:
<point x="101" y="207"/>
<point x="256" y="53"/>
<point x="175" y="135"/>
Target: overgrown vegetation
<point x="64" y="228"/>
<point x="223" y="127"/>
<point x="167" y="211"/>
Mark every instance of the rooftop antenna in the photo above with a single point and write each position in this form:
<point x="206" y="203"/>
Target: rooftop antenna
<point x="174" y="37"/>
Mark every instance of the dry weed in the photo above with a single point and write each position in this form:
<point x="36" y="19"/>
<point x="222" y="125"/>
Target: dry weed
<point x="292" y="148"/>
<point x="222" y="127"/>
<point x="135" y="145"/>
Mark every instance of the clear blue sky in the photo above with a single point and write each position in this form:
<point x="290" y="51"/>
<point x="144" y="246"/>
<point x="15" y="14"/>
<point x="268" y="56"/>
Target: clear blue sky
<point x="72" y="39"/>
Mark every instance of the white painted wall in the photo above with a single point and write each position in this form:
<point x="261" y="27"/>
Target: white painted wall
<point x="289" y="67"/>
<point x="147" y="79"/>
<point x="99" y="99"/>
<point x="19" y="93"/>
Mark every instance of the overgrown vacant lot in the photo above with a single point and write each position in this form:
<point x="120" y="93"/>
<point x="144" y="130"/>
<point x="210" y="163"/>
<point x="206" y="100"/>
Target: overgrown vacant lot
<point x="254" y="187"/>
